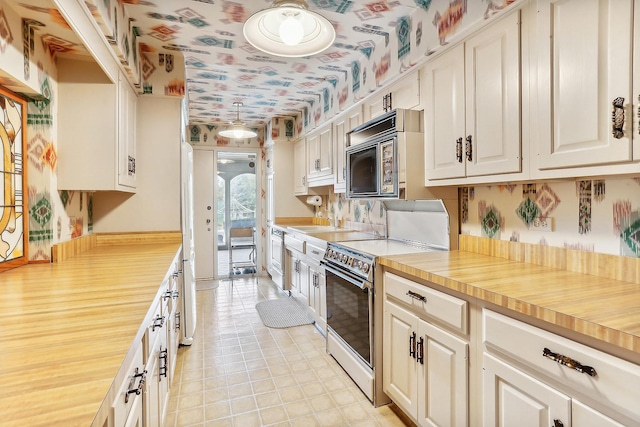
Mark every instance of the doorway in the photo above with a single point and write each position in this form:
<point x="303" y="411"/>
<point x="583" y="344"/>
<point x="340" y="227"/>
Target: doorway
<point x="225" y="198"/>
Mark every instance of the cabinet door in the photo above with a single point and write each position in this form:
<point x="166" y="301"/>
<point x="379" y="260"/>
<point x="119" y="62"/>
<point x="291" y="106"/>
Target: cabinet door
<point x="492" y="81"/>
<point x="443" y="387"/>
<point x="512" y="398"/>
<point x="585" y="416"/>
<point x="342" y="126"/>
<point x="152" y="389"/>
<point x="127" y="105"/>
<point x="300" y="167"/>
<point x="271" y="217"/>
<point x="399" y="370"/>
<point x="584" y="64"/>
<point x="325" y="156"/>
<point x="304" y="282"/>
<point x="319" y="155"/>
<point x="406" y="93"/>
<point x="444" y="129"/>
<point x="313" y="153"/>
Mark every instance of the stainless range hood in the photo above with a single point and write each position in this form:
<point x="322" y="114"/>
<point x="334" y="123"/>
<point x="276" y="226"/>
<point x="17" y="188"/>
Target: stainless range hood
<point x="422" y="222"/>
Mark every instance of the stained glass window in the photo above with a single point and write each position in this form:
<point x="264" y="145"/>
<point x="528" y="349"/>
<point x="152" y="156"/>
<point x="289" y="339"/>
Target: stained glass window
<point x="13" y="247"/>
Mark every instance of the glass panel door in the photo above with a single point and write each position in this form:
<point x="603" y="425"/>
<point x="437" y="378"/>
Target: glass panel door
<point x="236" y="207"/>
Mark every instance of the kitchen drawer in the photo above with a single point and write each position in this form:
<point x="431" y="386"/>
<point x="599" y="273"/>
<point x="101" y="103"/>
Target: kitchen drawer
<point x="291" y="242"/>
<point x="315" y="252"/>
<point x="427" y="302"/>
<point x="615" y="383"/>
<point x="134" y="380"/>
<point x="155" y="326"/>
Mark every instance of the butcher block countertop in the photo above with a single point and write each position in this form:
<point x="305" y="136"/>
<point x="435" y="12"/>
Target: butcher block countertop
<point x="67" y="328"/>
<point x="595" y="295"/>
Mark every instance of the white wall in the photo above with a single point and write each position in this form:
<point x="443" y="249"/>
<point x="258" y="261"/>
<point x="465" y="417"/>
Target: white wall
<point x="156" y="204"/>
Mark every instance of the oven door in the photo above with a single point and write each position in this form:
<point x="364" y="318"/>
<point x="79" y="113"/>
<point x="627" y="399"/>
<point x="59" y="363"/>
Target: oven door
<point x="350" y="310"/>
<point x="362" y="171"/>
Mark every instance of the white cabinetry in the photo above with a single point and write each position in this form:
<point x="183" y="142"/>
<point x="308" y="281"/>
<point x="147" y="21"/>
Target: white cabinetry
<point x="341" y="126"/>
<point x="546" y="377"/>
<point x="319" y="156"/>
<point x="425" y="367"/>
<point x="96" y="129"/>
<point x="126" y="408"/>
<point x="317" y="305"/>
<point x="280" y="191"/>
<point x="584" y="63"/>
<point x="300" y="168"/>
<point x="472" y="106"/>
<point x="405" y="93"/>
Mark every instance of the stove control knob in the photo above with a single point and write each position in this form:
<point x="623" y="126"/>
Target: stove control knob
<point x="360" y="264"/>
<point x="365" y="267"/>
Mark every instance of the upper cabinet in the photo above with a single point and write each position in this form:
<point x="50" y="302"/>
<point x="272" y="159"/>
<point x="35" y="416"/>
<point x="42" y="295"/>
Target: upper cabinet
<point x="472" y="106"/>
<point x="405" y="94"/>
<point x="584" y="83"/>
<point x="341" y="126"/>
<point x="96" y="129"/>
<point x="299" y="167"/>
<point x="319" y="156"/>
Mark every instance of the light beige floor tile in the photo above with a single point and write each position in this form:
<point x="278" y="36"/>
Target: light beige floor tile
<point x="322" y="403"/>
<point x="190" y="417"/>
<point x="331" y="418"/>
<point x="291" y="394"/>
<point x="299" y="409"/>
<point x="273" y="415"/>
<point x="237" y="378"/>
<point x="193" y="386"/>
<point x="309" y="421"/>
<point x="259" y="374"/>
<point x="243" y="404"/>
<point x="263" y="386"/>
<point x="312" y="389"/>
<point x="266" y="400"/>
<point x="216" y="395"/>
<point x="355" y="412"/>
<point x="285" y="381"/>
<point x="217" y="410"/>
<point x="187" y="401"/>
<point x="222" y="422"/>
<point x="250" y="419"/>
<point x="240" y="390"/>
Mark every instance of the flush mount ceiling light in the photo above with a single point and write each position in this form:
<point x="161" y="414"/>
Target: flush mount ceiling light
<point x="237" y="130"/>
<point x="289" y="29"/>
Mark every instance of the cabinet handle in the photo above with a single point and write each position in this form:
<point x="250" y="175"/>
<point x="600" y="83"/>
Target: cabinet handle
<point x="557" y="423"/>
<point x="137" y="390"/>
<point x="178" y="320"/>
<point x="459" y="149"/>
<point x="344" y="169"/>
<point x="417" y="296"/>
<point x="162" y="370"/>
<point x="469" y="148"/>
<point x="569" y="362"/>
<point x="617" y="118"/>
<point x="167" y="295"/>
<point x="131" y="165"/>
<point x="420" y="351"/>
<point x="412" y="345"/>
<point x="158" y="322"/>
<point x="304" y="180"/>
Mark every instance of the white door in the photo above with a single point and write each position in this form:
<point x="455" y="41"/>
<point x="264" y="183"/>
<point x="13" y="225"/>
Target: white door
<point x="585" y="416"/>
<point x="444" y="129"/>
<point x="584" y="63"/>
<point x="443" y="378"/>
<point x="513" y="398"/>
<point x="203" y="215"/>
<point x="492" y="82"/>
<point x="399" y="369"/>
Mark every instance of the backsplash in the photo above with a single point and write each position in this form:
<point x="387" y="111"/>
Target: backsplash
<point x="590" y="215"/>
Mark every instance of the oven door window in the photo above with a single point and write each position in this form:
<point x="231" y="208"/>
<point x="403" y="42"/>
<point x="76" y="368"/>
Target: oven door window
<point x="363" y="178"/>
<point x="348" y="314"/>
<point x="388" y="168"/>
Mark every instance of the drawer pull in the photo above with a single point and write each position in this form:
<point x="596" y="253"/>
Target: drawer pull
<point x="162" y="370"/>
<point x="557" y="423"/>
<point x="617" y="118"/>
<point x="130" y="390"/>
<point x="459" y="150"/>
<point x="158" y="322"/>
<point x="412" y="345"/>
<point x="569" y="362"/>
<point x="417" y="296"/>
<point x="178" y="318"/>
<point x="420" y="351"/>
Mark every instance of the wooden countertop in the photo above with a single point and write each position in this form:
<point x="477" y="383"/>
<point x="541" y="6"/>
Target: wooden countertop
<point x="603" y="308"/>
<point x="67" y="328"/>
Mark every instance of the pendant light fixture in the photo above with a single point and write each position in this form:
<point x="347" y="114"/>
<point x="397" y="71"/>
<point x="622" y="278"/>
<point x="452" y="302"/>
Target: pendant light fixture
<point x="237" y="130"/>
<point x="289" y="28"/>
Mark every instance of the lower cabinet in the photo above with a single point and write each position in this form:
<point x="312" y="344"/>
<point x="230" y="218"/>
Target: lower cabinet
<point x="298" y="276"/>
<point x="425" y="367"/>
<point x="532" y="377"/>
<point x="317" y="305"/>
<point x="126" y="408"/>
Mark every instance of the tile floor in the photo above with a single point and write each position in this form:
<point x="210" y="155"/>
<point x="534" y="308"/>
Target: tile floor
<point x="240" y="373"/>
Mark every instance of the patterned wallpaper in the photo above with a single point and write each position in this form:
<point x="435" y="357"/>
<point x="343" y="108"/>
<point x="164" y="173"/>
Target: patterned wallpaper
<point x="591" y="215"/>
